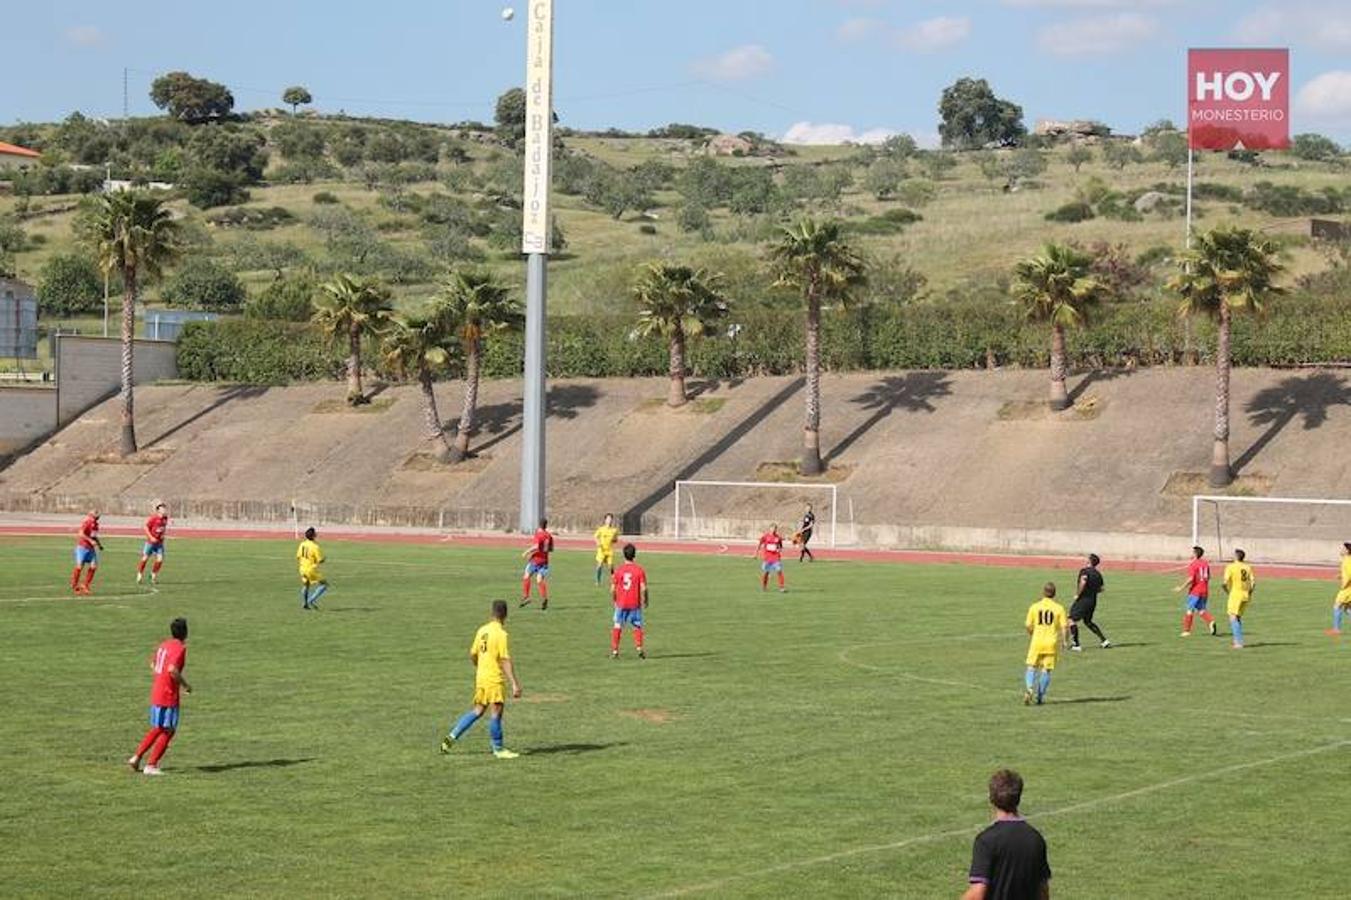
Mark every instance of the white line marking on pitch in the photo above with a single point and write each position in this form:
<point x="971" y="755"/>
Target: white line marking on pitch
<point x="73" y="597"/>
<point x="972" y="829"/>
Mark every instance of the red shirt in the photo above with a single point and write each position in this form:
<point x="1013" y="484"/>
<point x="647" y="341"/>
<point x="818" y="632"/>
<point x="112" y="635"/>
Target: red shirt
<point x="1199" y="574"/>
<point x="155" y="526"/>
<point x="89" y="532"/>
<point x="629" y="581"/>
<point x="544" y="545"/>
<point x="772" y="545"/>
<point x="164" y="690"/>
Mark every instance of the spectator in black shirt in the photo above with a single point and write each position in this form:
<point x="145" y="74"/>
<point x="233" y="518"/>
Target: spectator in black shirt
<point x="1008" y="861"/>
<point x="1086" y="601"/>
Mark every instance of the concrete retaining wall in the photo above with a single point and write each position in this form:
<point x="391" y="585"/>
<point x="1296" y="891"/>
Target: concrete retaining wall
<point x="27" y="415"/>
<point x="89" y="369"/>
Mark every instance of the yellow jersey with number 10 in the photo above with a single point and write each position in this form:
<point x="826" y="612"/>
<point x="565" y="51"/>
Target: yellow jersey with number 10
<point x="1046" y="618"/>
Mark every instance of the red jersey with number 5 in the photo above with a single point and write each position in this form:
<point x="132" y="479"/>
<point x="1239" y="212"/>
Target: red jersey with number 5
<point x="171" y="654"/>
<point x="1198" y="574"/>
<point x="629" y="581"/>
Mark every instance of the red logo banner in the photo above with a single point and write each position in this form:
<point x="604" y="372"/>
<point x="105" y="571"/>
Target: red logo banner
<point x="1238" y="99"/>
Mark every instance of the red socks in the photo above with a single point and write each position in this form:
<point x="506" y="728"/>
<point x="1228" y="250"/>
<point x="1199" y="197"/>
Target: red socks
<point x="764" y="581"/>
<point x="148" y="740"/>
<point x="1207" y="617"/>
<point x="1187" y="621"/>
<point x="614" y="639"/>
<point x="160" y="746"/>
<point x="637" y="639"/>
<point x="156" y="567"/>
<point x="525" y="587"/>
<point x="780" y="579"/>
<point x="140" y="566"/>
<point x="75" y="578"/>
<point x="544" y="590"/>
<point x="89" y="577"/>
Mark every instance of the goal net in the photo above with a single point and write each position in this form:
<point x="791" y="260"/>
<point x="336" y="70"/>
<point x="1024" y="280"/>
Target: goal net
<point x="1305" y="531"/>
<point x="743" y="510"/>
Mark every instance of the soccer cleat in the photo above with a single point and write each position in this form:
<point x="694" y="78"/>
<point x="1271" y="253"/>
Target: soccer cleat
<point x="614" y="654"/>
<point x="525" y="601"/>
<point x="783" y="590"/>
<point x="642" y="654"/>
<point x="1333" y="632"/>
<point x="1106" y="643"/>
<point x="1076" y="648"/>
<point x="1041" y="698"/>
<point x="504" y="753"/>
<point x="447" y="743"/>
<point x="544" y="604"/>
<point x="1185" y="634"/>
<point x="139" y="576"/>
<point x="1236" y="647"/>
<point x="134" y="763"/>
<point x="1213" y="630"/>
<point x="151" y="770"/>
<point x="154" y="579"/>
<point x="1027" y="697"/>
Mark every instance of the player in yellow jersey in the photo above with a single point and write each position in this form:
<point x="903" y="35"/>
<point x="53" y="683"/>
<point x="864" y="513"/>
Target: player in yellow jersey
<point x="1047" y="624"/>
<point x="1239" y="583"/>
<point x="606" y="535"/>
<point x="312" y="582"/>
<point x="1342" y="602"/>
<point x="491" y="658"/>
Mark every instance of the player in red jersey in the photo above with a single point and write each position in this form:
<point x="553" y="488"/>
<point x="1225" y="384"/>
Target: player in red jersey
<point x="541" y="545"/>
<point x="87" y="547"/>
<point x="1197" y="587"/>
<point x="628" y="589"/>
<point x="770" y="552"/>
<point x="167" y="664"/>
<point x="155" y="527"/>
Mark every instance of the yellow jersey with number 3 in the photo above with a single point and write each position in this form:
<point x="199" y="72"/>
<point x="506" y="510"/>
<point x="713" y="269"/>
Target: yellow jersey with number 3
<point x="1239" y="580"/>
<point x="1046" y="618"/>
<point x="489" y="649"/>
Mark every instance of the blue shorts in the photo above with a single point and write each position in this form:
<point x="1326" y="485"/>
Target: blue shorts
<point x="86" y="556"/>
<point x="164" y="717"/>
<point x="152" y="549"/>
<point x="771" y="567"/>
<point x="1196" y="604"/>
<point x="631" y="617"/>
<point x="534" y="568"/>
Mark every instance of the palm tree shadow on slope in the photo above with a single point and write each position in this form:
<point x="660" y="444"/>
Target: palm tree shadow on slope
<point x="502" y="420"/>
<point x="1308" y="396"/>
<point x="908" y="393"/>
<point x="1097" y="376"/>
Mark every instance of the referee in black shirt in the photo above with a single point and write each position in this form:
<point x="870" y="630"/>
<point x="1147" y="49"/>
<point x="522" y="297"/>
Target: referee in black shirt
<point x="1008" y="861"/>
<point x="1086" y="602"/>
<point x="804" y="534"/>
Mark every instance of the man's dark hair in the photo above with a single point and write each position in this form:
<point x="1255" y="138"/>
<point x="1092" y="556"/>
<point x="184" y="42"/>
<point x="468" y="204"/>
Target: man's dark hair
<point x="1049" y="589"/>
<point x="630" y="552"/>
<point x="309" y="534"/>
<point x="1239" y="555"/>
<point x="1198" y="552"/>
<point x="179" y="628"/>
<point x="1006" y="790"/>
<point x="500" y="610"/>
<point x="543" y="523"/>
<point x="1347" y="545"/>
<point x="1094" y="559"/>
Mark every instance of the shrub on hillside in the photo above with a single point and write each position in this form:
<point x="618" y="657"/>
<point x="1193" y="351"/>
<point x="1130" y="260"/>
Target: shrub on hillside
<point x="1074" y="211"/>
<point x="325" y="197"/>
<point x="202" y="283"/>
<point x="255" y="351"/>
<point x="289" y="299"/>
<point x="254" y="218"/>
<point x="69" y="284"/>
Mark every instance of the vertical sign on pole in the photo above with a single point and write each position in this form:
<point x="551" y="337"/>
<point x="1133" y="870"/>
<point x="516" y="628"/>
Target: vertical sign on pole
<point x="1236" y="99"/>
<point x="536" y="226"/>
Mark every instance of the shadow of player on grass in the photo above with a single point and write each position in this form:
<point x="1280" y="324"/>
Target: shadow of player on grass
<point x="279" y="763"/>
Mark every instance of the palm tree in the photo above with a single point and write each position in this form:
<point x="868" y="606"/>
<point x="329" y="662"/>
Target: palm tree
<point x="347" y="309"/>
<point x="420" y="347"/>
<point x="477" y="303"/>
<point x="1227" y="271"/>
<point x="1057" y="286"/>
<point x="132" y="233"/>
<point x="813" y="258"/>
<point x="677" y="302"/>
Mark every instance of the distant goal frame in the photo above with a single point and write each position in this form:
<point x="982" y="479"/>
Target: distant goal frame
<point x="1217" y="499"/>
<point x="832" y="489"/>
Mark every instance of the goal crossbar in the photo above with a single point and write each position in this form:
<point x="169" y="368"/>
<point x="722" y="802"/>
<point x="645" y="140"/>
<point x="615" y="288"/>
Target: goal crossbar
<point x="832" y="489"/>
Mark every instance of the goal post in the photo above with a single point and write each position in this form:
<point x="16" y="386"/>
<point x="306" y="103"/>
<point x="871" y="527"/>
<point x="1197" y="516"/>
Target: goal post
<point x="719" y="515"/>
<point x="1302" y="530"/>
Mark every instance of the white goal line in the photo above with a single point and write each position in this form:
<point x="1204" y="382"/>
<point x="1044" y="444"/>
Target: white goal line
<point x="780" y="485"/>
<point x="1198" y="499"/>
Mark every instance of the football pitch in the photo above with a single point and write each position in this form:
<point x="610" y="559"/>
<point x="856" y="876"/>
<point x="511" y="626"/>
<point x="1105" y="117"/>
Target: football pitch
<point x="833" y="741"/>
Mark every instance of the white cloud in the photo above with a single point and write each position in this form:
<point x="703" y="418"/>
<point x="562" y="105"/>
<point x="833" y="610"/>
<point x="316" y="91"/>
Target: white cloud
<point x="85" y="35"/>
<point x="1322" y="26"/>
<point x="1327" y="98"/>
<point x="737" y="64"/>
<point x="859" y="29"/>
<point x="934" y="34"/>
<point x="1097" y="35"/>
<point x="831" y="133"/>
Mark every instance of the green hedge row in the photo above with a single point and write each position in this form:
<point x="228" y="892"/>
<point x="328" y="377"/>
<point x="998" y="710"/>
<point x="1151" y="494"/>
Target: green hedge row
<point x="1298" y="329"/>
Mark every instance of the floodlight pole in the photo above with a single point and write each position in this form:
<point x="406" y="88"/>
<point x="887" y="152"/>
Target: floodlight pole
<point x="536" y="227"/>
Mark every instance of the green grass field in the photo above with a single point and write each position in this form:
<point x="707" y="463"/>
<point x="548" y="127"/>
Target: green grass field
<point x="831" y="742"/>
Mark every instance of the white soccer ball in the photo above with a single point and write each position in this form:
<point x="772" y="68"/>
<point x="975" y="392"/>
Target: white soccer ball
<point x="508" y="14"/>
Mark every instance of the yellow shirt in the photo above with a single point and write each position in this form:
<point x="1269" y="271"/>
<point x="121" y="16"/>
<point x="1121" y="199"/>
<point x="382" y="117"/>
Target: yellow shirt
<point x="1346" y="573"/>
<point x="1046" y="618"/>
<point x="1239" y="580"/>
<point x="605" y="538"/>
<point x="309" y="556"/>
<point x="489" y="649"/>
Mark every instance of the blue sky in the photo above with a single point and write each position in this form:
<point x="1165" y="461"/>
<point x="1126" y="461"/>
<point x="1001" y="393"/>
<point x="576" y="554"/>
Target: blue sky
<point x="812" y="69"/>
